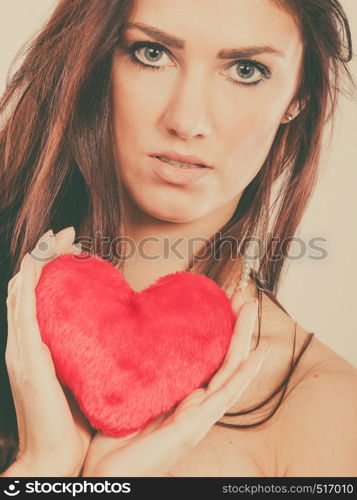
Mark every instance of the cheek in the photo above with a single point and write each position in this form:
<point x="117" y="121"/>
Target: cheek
<point x="129" y="99"/>
<point x="254" y="115"/>
<point x="248" y="142"/>
<point x="126" y="111"/>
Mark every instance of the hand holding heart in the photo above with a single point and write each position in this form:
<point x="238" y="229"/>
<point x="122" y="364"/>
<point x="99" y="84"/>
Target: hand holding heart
<point x="129" y="357"/>
<point x="155" y="450"/>
<point x="51" y="443"/>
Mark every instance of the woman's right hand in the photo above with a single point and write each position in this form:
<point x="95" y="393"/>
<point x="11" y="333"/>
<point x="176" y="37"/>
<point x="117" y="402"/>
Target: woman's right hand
<point x="154" y="450"/>
<point x="52" y="441"/>
<point x="195" y="415"/>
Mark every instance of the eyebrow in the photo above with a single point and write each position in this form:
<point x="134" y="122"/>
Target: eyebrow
<point x="177" y="43"/>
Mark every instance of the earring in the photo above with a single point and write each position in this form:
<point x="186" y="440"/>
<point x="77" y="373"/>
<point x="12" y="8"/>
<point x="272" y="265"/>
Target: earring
<point x="289" y="116"/>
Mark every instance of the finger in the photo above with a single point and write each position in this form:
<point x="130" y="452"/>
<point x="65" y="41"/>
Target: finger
<point x="64" y="232"/>
<point x="237" y="300"/>
<point x="11" y="283"/>
<point x="13" y="286"/>
<point x="103" y="445"/>
<point x="243" y="331"/>
<point x="38" y="255"/>
<point x="239" y="346"/>
<point x="25" y="320"/>
<point x="214" y="406"/>
<point x="64" y="240"/>
<point x="59" y="244"/>
<point x="220" y="401"/>
<point x="12" y="353"/>
<point x="11" y="350"/>
<point x="77" y="248"/>
<point x="42" y="253"/>
<point x="194" y="398"/>
<point x="64" y="243"/>
<point x="49" y="240"/>
<point x="153" y="424"/>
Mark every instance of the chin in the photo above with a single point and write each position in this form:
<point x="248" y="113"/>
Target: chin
<point x="168" y="213"/>
<point x="168" y="207"/>
<point x="170" y="216"/>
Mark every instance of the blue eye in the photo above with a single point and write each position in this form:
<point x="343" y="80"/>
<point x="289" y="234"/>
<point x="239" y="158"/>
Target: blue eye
<point x="249" y="68"/>
<point x="153" y="52"/>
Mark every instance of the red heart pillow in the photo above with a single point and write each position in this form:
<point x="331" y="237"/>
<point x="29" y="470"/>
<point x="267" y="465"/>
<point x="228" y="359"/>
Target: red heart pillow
<point x="130" y="356"/>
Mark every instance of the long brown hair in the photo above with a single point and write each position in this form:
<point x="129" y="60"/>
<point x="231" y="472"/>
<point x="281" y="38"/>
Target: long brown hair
<point x="56" y="148"/>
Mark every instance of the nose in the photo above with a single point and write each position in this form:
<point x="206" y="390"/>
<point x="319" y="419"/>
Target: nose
<point x="186" y="114"/>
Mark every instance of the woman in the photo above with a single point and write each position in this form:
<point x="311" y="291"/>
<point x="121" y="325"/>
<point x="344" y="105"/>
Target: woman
<point x="108" y="96"/>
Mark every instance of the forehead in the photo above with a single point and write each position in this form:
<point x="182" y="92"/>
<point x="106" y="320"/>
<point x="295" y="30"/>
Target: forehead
<point x="217" y="24"/>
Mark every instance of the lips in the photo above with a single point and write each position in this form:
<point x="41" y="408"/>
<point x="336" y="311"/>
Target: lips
<point x="171" y="173"/>
<point x="194" y="160"/>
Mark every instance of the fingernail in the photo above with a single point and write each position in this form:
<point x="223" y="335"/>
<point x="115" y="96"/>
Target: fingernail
<point x="251" y="324"/>
<point x="241" y="292"/>
<point x="43" y="244"/>
<point x="253" y="311"/>
<point x="237" y="299"/>
<point x="65" y="233"/>
<point x="77" y="248"/>
<point x="47" y="235"/>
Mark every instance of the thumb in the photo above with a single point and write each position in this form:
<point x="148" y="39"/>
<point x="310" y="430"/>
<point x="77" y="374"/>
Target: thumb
<point x="238" y="299"/>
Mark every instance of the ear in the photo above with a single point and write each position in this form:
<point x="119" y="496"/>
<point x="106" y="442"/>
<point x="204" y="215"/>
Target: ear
<point x="294" y="109"/>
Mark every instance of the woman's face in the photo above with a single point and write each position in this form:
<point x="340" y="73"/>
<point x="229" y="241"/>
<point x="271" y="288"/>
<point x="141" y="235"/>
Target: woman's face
<point x="194" y="96"/>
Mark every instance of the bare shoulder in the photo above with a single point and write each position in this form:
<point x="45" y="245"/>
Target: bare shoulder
<point x="318" y="423"/>
<point x="315" y="429"/>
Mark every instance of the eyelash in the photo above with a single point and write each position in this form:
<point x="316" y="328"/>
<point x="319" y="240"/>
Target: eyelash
<point x="264" y="70"/>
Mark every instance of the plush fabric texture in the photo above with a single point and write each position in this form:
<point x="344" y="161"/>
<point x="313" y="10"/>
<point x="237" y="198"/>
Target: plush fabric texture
<point x="130" y="356"/>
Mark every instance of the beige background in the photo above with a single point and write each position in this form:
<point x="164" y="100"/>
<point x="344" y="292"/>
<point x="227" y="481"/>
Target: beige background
<point x="319" y="294"/>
